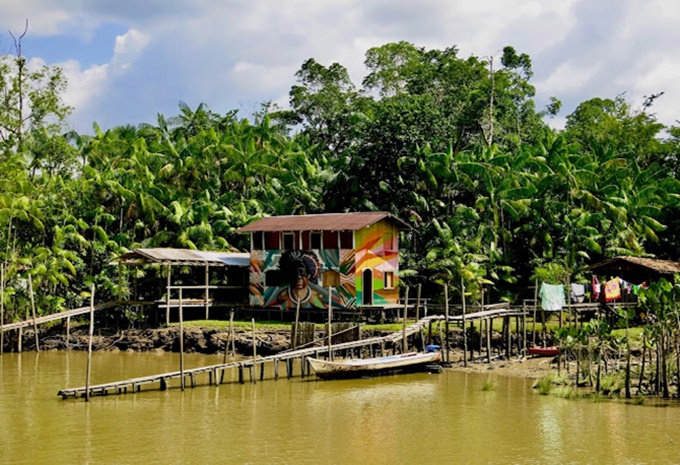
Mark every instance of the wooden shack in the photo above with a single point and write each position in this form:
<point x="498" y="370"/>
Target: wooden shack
<point x="636" y="270"/>
<point x="295" y="260"/>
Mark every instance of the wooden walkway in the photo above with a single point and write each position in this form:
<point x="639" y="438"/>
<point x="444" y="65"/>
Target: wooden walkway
<point x="58" y="316"/>
<point x="216" y="372"/>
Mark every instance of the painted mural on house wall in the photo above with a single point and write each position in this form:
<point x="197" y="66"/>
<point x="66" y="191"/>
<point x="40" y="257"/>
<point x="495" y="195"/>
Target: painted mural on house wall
<point x="377" y="264"/>
<point x="365" y="275"/>
<point x="282" y="279"/>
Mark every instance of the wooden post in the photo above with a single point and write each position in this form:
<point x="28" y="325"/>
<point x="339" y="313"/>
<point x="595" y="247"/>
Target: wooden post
<point x="120" y="283"/>
<point x="254" y="340"/>
<point x="35" y="324"/>
<point x="465" y="341"/>
<point x="232" y="336"/>
<point x="20" y="337"/>
<point x="489" y="324"/>
<point x="330" y="319"/>
<point x="167" y="298"/>
<point x="569" y="298"/>
<point x="181" y="340"/>
<point x="207" y="290"/>
<point x="420" y="286"/>
<point x="68" y="332"/>
<point x="533" y="326"/>
<point x="446" y="323"/>
<point x="226" y="343"/>
<point x="2" y="308"/>
<point x="89" y="345"/>
<point x="404" y="345"/>
<point x="297" y="324"/>
<point x="506" y="335"/>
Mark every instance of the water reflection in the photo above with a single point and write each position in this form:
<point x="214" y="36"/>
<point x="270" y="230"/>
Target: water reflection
<point x="415" y="418"/>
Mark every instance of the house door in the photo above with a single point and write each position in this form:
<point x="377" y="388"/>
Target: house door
<point x="367" y="286"/>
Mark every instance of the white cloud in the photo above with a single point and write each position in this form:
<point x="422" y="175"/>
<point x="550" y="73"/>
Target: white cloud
<point x="225" y="53"/>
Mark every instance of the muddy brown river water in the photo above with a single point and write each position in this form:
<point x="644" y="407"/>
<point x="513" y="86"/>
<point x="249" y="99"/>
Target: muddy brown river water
<point x="411" y="419"/>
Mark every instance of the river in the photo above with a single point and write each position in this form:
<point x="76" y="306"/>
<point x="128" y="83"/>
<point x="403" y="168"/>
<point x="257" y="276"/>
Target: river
<point x="414" y="418"/>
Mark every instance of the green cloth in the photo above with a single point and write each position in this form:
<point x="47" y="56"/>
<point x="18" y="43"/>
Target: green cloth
<point x="552" y="297"/>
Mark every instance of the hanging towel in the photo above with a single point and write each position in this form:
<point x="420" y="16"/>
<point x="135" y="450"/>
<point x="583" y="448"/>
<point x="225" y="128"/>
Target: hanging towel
<point x="596" y="288"/>
<point x="612" y="290"/>
<point x="552" y="296"/>
<point x="578" y="293"/>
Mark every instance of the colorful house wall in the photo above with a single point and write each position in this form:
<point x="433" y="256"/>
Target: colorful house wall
<point x="284" y="278"/>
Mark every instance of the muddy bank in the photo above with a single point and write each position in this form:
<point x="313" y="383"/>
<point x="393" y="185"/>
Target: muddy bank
<point x="270" y="342"/>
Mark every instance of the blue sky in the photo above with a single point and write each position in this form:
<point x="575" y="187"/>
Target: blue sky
<point x="127" y="61"/>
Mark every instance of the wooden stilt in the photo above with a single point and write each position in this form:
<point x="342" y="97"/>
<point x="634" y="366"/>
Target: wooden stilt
<point x="35" y="324"/>
<point x="489" y="324"/>
<point x="68" y="333"/>
<point x="404" y="342"/>
<point x="446" y="324"/>
<point x="89" y="345"/>
<point x="2" y="308"/>
<point x="296" y="329"/>
<point x="330" y="319"/>
<point x="254" y="339"/>
<point x="207" y="291"/>
<point x="240" y="374"/>
<point x="231" y="329"/>
<point x="533" y="328"/>
<point x="420" y="286"/>
<point x="167" y="297"/>
<point x="276" y="369"/>
<point x="181" y="340"/>
<point x="465" y="341"/>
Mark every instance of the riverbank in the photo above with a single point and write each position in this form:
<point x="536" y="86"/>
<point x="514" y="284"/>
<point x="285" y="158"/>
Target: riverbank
<point x="270" y="340"/>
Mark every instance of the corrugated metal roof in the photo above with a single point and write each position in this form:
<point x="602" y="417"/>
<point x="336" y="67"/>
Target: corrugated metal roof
<point x="322" y="222"/>
<point x="660" y="266"/>
<point x="166" y="256"/>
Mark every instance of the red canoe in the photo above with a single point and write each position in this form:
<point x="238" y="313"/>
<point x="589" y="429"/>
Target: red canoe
<point x="544" y="351"/>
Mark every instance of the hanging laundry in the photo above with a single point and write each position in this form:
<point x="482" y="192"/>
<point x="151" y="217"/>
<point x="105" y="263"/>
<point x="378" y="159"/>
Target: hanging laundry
<point x="552" y="296"/>
<point x="578" y="293"/>
<point x="612" y="290"/>
<point x="596" y="288"/>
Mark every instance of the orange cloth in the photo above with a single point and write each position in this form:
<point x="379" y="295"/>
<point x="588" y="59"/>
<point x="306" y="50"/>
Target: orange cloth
<point x="612" y="290"/>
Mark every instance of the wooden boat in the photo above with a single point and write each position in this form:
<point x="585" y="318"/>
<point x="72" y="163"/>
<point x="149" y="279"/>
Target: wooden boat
<point x="544" y="351"/>
<point x="373" y="366"/>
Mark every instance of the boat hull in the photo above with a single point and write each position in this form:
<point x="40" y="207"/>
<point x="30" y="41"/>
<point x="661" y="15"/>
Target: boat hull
<point x="544" y="351"/>
<point x="326" y="369"/>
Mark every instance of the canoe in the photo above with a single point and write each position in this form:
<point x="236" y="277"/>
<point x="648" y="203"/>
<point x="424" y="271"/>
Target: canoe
<point x="373" y="366"/>
<point x="544" y="351"/>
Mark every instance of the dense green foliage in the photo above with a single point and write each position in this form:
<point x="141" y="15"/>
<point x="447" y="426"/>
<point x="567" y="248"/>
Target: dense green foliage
<point x="453" y="145"/>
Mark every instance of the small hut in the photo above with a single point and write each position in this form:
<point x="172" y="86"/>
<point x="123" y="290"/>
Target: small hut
<point x="636" y="270"/>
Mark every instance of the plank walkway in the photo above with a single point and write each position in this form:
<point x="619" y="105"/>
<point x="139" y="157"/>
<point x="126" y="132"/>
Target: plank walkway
<point x="58" y="316"/>
<point x="216" y="372"/>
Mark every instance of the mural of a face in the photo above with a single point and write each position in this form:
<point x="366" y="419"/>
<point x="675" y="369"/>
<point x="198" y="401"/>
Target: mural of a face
<point x="299" y="268"/>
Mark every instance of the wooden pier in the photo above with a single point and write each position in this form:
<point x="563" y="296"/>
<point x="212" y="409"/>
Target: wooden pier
<point x="375" y="346"/>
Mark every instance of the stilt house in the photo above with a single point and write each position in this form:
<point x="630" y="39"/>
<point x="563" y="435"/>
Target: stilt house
<point x="295" y="260"/>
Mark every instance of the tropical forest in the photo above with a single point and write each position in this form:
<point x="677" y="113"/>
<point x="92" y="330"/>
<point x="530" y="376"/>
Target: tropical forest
<point x="455" y="146"/>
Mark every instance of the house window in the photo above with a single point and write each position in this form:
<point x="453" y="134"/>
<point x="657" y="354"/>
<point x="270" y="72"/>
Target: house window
<point x="346" y="241"/>
<point x="330" y="240"/>
<point x="271" y="240"/>
<point x="258" y="240"/>
<point x="288" y="241"/>
<point x="316" y="240"/>
<point x="389" y="280"/>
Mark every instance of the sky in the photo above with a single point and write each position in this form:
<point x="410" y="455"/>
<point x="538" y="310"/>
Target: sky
<point x="127" y="61"/>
